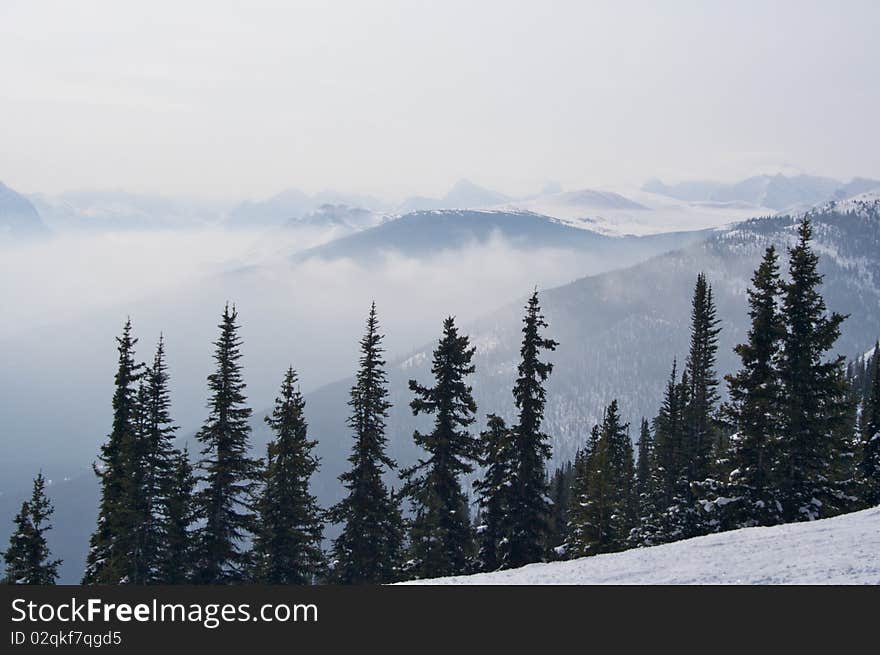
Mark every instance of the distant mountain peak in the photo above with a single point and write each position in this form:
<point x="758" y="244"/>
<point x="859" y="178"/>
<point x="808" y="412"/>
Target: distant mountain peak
<point x="18" y="216"/>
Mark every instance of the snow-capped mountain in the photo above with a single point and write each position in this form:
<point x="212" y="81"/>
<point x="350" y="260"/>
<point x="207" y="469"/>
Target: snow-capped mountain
<point x="423" y="233"/>
<point x="778" y="192"/>
<point x="293" y="205"/>
<point x="102" y="210"/>
<point x="18" y="216"/>
<point x="464" y="195"/>
<point x="620" y="331"/>
<point x="840" y="550"/>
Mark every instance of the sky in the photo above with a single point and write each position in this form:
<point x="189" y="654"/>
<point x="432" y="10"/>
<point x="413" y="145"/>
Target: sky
<point x="226" y="100"/>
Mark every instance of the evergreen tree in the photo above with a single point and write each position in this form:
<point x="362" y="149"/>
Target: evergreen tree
<point x="288" y="545"/>
<point x="227" y="473"/>
<point x="560" y="496"/>
<point x="606" y="506"/>
<point x="582" y="526"/>
<point x="701" y="432"/>
<point x="529" y="507"/>
<point x="177" y="557"/>
<point x="109" y="547"/>
<point x="814" y="391"/>
<point x="748" y="497"/>
<point x="27" y="559"/>
<point x="644" y="467"/>
<point x="148" y="462"/>
<point x="665" y="513"/>
<point x="440" y="537"/>
<point x="368" y="549"/>
<point x="493" y="493"/>
<point x="869" y="424"/>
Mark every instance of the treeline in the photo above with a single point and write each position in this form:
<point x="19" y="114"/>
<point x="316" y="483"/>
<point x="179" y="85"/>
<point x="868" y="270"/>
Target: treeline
<point x="232" y="518"/>
<point x="795" y="441"/>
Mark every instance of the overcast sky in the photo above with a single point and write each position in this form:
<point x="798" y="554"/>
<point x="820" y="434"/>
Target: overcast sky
<point x="220" y="99"/>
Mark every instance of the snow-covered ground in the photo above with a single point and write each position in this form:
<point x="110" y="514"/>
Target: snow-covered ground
<point x="840" y="550"/>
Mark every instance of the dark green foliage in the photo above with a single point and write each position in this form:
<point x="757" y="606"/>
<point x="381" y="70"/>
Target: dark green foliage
<point x="560" y="498"/>
<point x="604" y="511"/>
<point x="815" y="408"/>
<point x="109" y="557"/>
<point x="748" y="496"/>
<point x="869" y="427"/>
<point x="581" y="512"/>
<point x="227" y="474"/>
<point x="493" y="493"/>
<point x="440" y="536"/>
<point x="368" y="549"/>
<point x="701" y="437"/>
<point x="177" y="557"/>
<point x="151" y="467"/>
<point x="288" y="544"/>
<point x="644" y="466"/>
<point x="529" y="507"/>
<point x="27" y="558"/>
<point x="666" y="511"/>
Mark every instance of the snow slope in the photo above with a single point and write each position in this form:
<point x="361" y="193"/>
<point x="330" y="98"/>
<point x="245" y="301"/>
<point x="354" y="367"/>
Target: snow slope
<point x="840" y="550"/>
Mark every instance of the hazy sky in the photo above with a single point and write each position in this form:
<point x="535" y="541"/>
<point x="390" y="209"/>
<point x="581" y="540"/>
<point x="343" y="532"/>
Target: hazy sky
<point x="223" y="99"/>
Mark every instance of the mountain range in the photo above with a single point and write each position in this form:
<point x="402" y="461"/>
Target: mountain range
<point x="619" y="330"/>
<point x="18" y="216"/>
<point x="779" y="192"/>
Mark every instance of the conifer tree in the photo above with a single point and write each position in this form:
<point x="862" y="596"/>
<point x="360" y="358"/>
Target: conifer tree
<point x="441" y="542"/>
<point x="529" y="507"/>
<point x="582" y="525"/>
<point x="177" y="557"/>
<point x="560" y="496"/>
<point x="493" y="493"/>
<point x="28" y="557"/>
<point x="157" y="464"/>
<point x="227" y="474"/>
<point x="108" y="557"/>
<point x="699" y="414"/>
<point x="368" y="549"/>
<point x="644" y="466"/>
<point x="605" y="490"/>
<point x="869" y="424"/>
<point x="288" y="544"/>
<point x="814" y="390"/>
<point x="668" y="507"/>
<point x="701" y="436"/>
<point x="749" y="494"/>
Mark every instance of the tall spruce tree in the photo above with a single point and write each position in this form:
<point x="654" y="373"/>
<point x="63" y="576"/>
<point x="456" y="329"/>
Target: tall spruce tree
<point x="701" y="436"/>
<point x="869" y="424"/>
<point x="606" y="507"/>
<point x="177" y="557"/>
<point x="368" y="549"/>
<point x="441" y="542"/>
<point x="151" y="466"/>
<point x="645" y="464"/>
<point x="700" y="412"/>
<point x="667" y="509"/>
<point x="227" y="474"/>
<point x="529" y="507"/>
<point x="560" y="496"/>
<point x="288" y="544"/>
<point x="582" y="525"/>
<point x="493" y="493"/>
<point x="108" y="559"/>
<point x="28" y="558"/>
<point x="749" y="497"/>
<point x="814" y="390"/>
